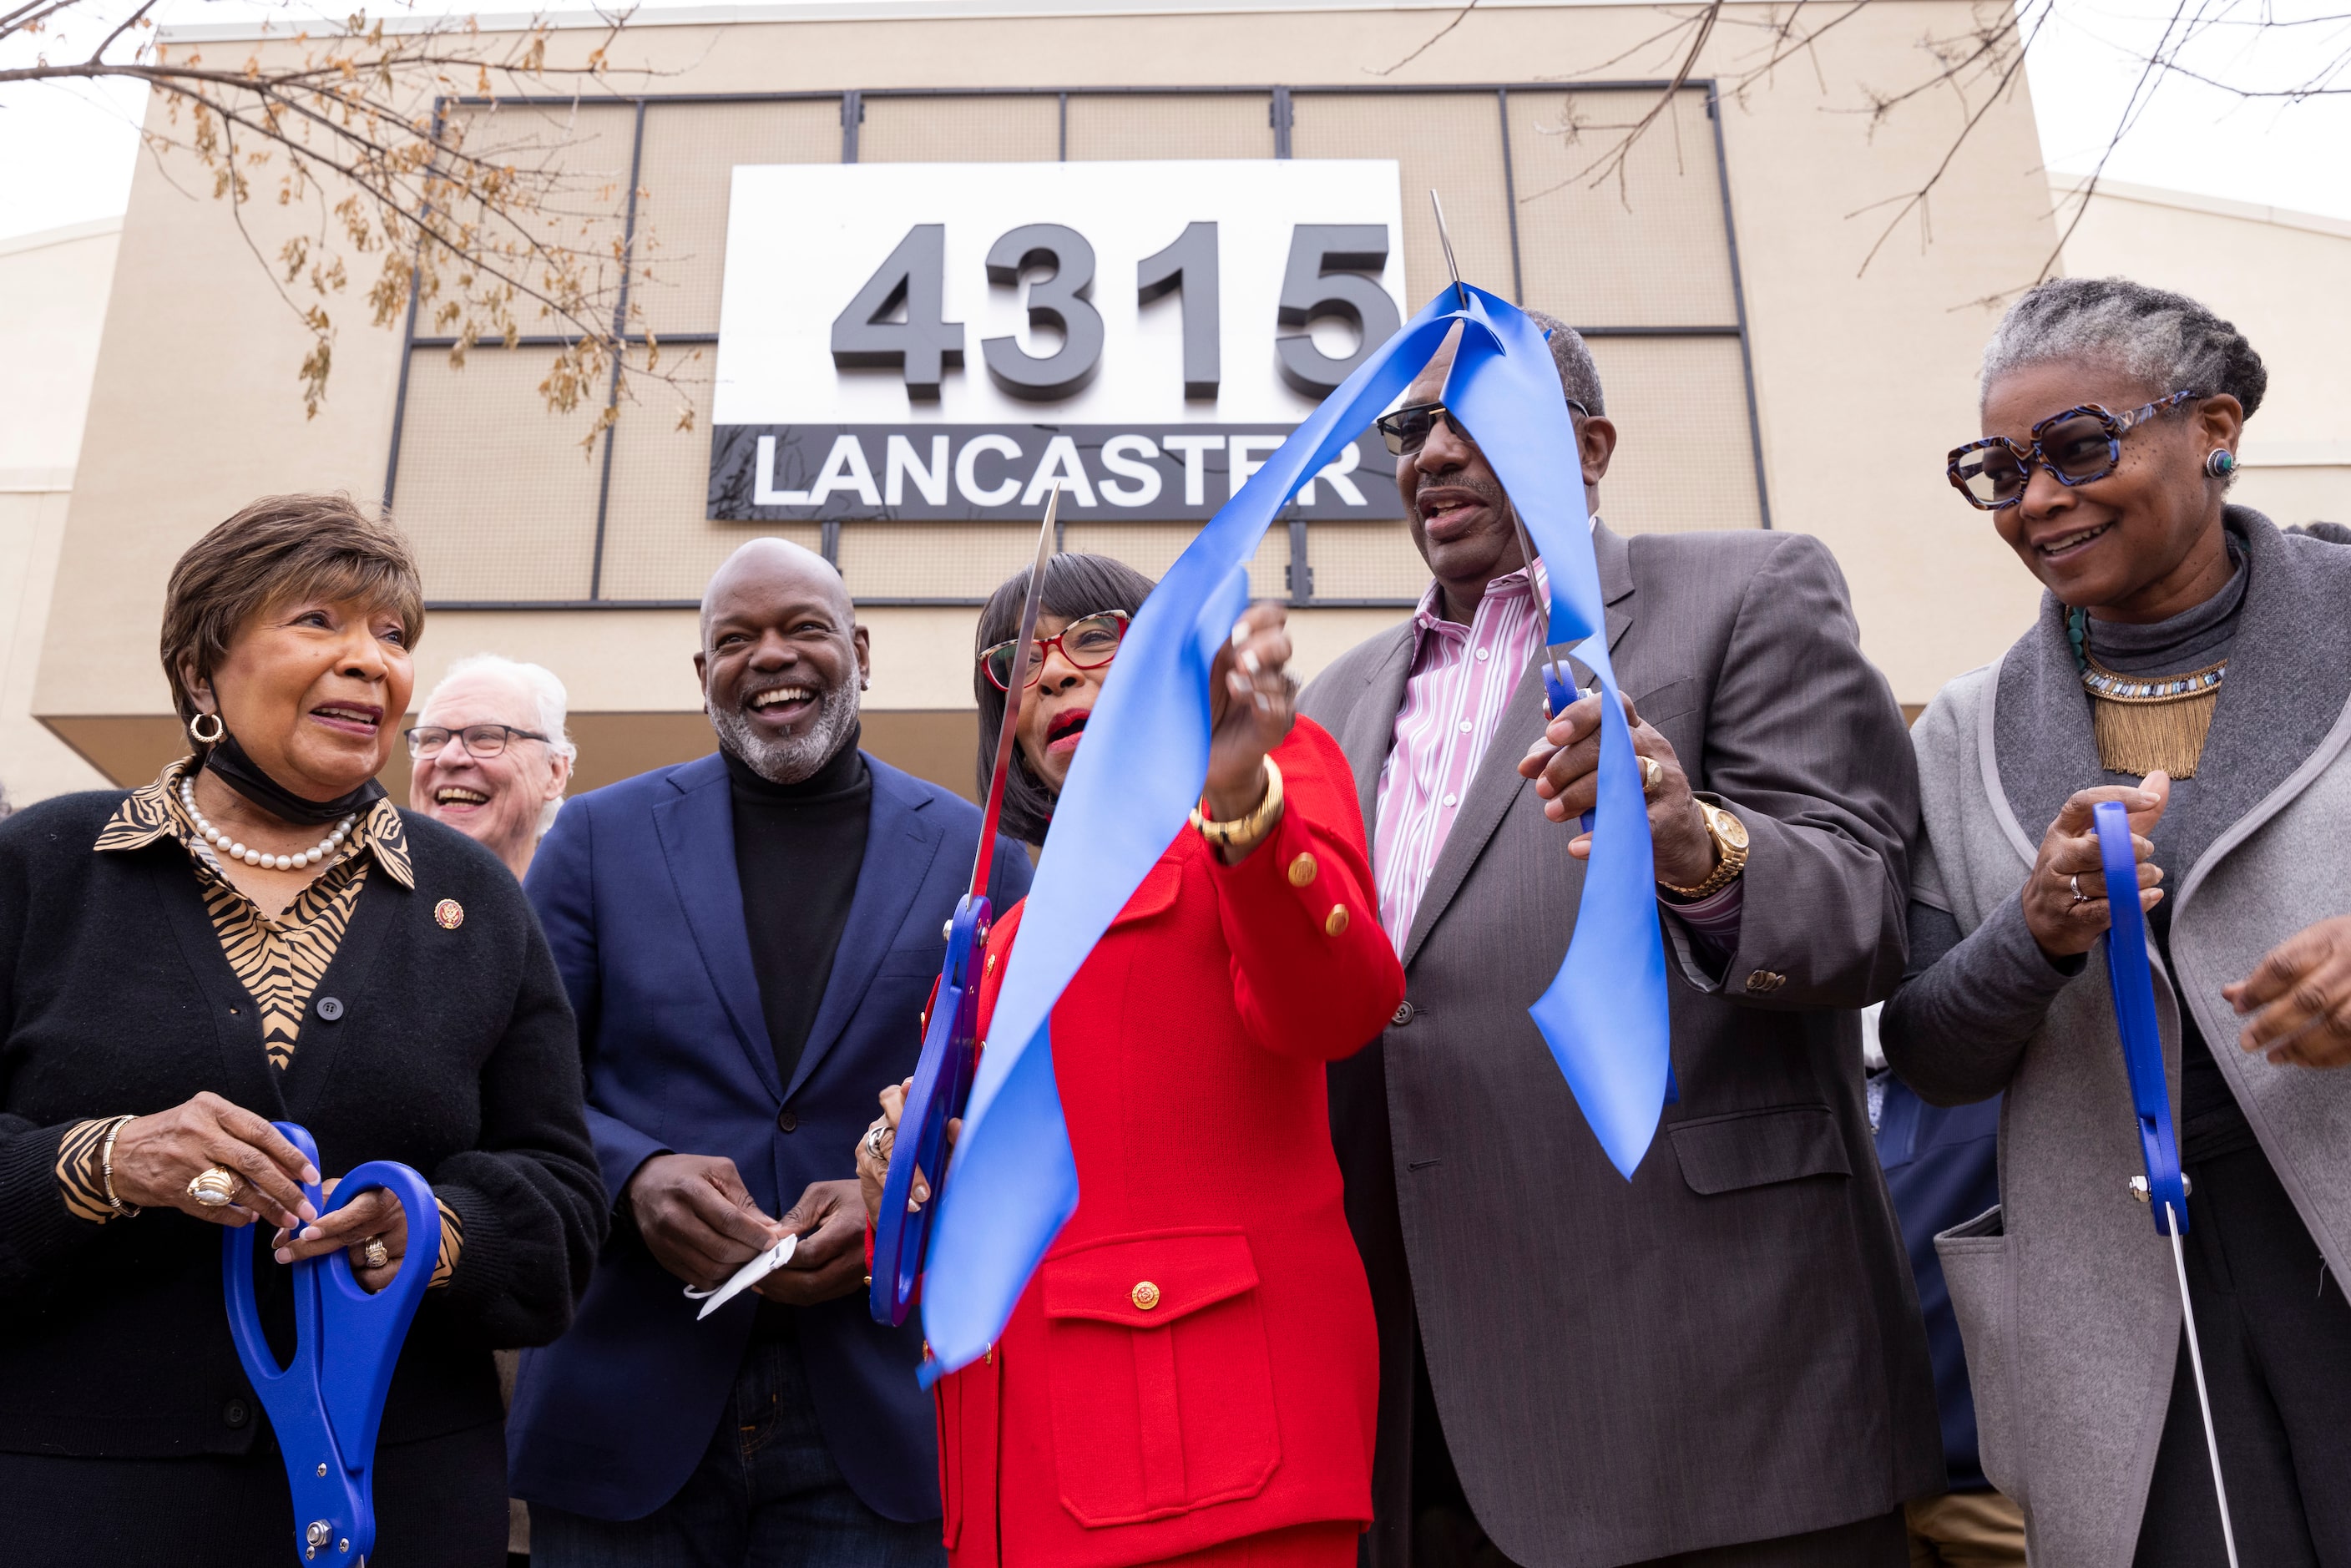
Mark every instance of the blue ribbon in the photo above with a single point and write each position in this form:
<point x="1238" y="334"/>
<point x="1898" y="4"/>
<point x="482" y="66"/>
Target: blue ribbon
<point x="2133" y="985"/>
<point x="326" y="1404"/>
<point x="1134" y="780"/>
<point x="1605" y="1015"/>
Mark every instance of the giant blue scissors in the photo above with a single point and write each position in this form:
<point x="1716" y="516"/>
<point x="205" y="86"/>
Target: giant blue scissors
<point x="2165" y="1187"/>
<point x="950" y="1059"/>
<point x="327" y="1403"/>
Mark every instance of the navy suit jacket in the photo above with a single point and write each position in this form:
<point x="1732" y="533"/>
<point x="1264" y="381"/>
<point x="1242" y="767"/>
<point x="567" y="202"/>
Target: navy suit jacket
<point x="637" y="889"/>
<point x="1942" y="1169"/>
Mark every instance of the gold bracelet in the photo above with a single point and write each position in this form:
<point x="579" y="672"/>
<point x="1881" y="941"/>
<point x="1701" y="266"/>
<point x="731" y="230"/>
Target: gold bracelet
<point x="106" y="1166"/>
<point x="1246" y="833"/>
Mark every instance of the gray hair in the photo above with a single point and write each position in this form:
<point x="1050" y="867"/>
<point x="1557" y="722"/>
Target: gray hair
<point x="1578" y="376"/>
<point x="2166" y="343"/>
<point x="546" y="694"/>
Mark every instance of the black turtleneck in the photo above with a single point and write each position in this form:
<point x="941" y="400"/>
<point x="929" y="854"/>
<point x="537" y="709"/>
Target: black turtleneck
<point x="798" y="848"/>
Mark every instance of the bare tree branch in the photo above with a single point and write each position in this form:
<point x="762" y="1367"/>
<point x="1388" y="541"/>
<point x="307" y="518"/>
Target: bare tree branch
<point x="2141" y="91"/>
<point x="1614" y="162"/>
<point x="349" y="121"/>
<point x="1428" y="43"/>
<point x="2008" y="63"/>
<point x="1979" y="68"/>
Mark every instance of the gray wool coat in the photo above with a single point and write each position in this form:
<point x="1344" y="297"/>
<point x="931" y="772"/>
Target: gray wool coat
<point x="2065" y="1293"/>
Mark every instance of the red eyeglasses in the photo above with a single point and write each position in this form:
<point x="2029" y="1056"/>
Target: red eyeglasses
<point x="1089" y="644"/>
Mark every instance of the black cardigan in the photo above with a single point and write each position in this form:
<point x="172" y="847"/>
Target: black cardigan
<point x="453" y="1051"/>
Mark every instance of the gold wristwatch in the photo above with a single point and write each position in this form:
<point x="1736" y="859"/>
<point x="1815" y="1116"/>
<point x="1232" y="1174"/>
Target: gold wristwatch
<point x="1729" y="836"/>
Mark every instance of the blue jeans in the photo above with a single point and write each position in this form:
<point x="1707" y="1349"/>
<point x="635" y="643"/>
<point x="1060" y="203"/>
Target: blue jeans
<point x="766" y="1495"/>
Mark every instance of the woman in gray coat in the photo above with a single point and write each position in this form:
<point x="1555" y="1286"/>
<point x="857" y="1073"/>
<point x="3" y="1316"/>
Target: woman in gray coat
<point x="2195" y="662"/>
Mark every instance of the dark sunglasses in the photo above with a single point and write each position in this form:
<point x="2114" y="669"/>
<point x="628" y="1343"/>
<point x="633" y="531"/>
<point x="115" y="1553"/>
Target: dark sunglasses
<point x="1406" y="430"/>
<point x="1088" y="643"/>
<point x="481" y="740"/>
<point x="2078" y="446"/>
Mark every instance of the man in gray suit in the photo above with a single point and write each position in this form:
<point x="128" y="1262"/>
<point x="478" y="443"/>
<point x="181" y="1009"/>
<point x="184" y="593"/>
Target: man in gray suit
<point x="1721" y="1361"/>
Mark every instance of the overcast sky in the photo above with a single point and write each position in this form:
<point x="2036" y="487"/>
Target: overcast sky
<point x="67" y="152"/>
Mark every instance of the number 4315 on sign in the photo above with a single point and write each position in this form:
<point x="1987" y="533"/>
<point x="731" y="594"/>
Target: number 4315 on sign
<point x="1175" y="314"/>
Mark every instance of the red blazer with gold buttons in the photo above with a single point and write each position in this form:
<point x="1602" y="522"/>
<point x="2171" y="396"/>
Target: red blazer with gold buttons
<point x="1195" y="1361"/>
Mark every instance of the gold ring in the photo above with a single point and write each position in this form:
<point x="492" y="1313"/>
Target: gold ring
<point x="374" y="1254"/>
<point x="213" y="1188"/>
<point x="1653" y="773"/>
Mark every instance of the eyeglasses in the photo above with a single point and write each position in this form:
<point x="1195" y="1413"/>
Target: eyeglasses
<point x="482" y="741"/>
<point x="1089" y="644"/>
<point x="1406" y="430"/>
<point x="2078" y="446"/>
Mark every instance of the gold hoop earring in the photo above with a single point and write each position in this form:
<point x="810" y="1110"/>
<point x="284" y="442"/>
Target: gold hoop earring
<point x="196" y="733"/>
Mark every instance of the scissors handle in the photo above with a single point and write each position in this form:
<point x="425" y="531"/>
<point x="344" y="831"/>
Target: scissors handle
<point x="326" y="1404"/>
<point x="2133" y="985"/>
<point x="943" y="1080"/>
<point x="360" y="1333"/>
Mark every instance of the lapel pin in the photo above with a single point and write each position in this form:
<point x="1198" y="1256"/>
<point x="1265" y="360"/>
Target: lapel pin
<point x="450" y="914"/>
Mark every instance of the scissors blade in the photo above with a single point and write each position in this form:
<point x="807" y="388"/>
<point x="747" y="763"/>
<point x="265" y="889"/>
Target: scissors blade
<point x="1460" y="295"/>
<point x="1005" y="733"/>
<point x="2203" y="1400"/>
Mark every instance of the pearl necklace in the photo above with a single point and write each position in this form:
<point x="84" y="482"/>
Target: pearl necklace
<point x="315" y="855"/>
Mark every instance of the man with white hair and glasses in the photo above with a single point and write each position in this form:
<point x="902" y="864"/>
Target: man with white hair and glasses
<point x="491" y="758"/>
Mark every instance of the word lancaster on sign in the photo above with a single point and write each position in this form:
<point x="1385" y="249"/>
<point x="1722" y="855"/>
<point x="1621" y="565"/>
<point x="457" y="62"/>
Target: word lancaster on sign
<point x="948" y="341"/>
<point x="968" y="473"/>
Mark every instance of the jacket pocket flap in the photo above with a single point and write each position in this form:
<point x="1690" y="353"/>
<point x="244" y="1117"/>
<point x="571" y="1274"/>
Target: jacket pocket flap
<point x="1757" y="1148"/>
<point x="1157" y="891"/>
<point x="1146" y="1280"/>
<point x="1989" y="1227"/>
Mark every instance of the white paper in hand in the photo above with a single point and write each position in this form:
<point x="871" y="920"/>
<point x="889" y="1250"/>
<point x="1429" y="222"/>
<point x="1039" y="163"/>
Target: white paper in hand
<point x="749" y="1275"/>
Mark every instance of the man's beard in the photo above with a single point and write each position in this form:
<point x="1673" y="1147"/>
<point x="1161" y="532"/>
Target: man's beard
<point x="790" y="758"/>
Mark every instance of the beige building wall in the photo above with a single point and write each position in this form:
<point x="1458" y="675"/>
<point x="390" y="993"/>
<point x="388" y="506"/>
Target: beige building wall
<point x="2282" y="277"/>
<point x="195" y="410"/>
<point x="53" y="295"/>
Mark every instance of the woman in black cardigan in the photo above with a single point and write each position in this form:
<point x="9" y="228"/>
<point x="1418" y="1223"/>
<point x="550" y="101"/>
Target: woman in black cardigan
<point x="260" y="936"/>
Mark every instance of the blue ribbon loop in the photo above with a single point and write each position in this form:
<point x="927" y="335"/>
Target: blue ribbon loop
<point x="326" y="1406"/>
<point x="1134" y="780"/>
<point x="2133" y="985"/>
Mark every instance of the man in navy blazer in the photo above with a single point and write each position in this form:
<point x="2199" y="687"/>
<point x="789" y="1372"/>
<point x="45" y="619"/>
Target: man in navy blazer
<point x="748" y="941"/>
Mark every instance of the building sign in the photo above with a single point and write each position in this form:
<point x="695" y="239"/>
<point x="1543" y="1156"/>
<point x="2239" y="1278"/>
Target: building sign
<point x="948" y="341"/>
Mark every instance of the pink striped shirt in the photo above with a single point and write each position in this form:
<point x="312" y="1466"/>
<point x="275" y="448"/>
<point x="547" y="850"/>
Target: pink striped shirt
<point x="1460" y="681"/>
<point x="1454" y="695"/>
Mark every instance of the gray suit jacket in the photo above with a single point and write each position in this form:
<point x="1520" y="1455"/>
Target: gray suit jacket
<point x="1728" y="1348"/>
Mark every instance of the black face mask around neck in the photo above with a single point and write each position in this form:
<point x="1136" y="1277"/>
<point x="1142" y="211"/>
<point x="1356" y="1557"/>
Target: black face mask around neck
<point x="229" y="760"/>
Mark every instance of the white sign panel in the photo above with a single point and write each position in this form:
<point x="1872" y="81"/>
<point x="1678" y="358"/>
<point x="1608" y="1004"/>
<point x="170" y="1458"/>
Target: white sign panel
<point x="948" y="340"/>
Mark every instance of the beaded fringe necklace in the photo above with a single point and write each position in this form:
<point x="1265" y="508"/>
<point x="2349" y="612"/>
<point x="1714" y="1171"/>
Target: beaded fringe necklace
<point x="2143" y="724"/>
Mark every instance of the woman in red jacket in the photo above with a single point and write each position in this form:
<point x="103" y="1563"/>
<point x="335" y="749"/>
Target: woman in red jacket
<point x="1191" y="1377"/>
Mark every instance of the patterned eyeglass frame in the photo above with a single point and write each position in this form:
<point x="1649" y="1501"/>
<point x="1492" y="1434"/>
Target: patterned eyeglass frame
<point x="1396" y="438"/>
<point x="2115" y="425"/>
<point x="1046" y="645"/>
